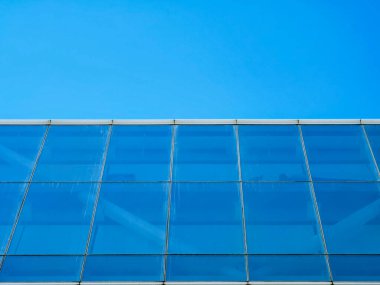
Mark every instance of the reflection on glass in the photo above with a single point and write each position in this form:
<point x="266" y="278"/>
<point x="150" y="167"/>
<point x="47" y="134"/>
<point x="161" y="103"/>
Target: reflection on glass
<point x="139" y="153"/>
<point x="205" y="218"/>
<point x="206" y="268"/>
<point x="41" y="268"/>
<point x="280" y="218"/>
<point x="10" y="201"/>
<point x="130" y="218"/>
<point x="205" y="153"/>
<point x="108" y="268"/>
<point x="272" y="153"/>
<point x="72" y="153"/>
<point x="19" y="146"/>
<point x="55" y="219"/>
<point x="288" y="268"/>
<point x="373" y="132"/>
<point x="338" y="152"/>
<point x="355" y="267"/>
<point x="350" y="214"/>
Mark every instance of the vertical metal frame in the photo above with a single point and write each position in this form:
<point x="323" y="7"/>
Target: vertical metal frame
<point x="172" y="152"/>
<point x="105" y="154"/>
<point x="314" y="198"/>
<point x="25" y="196"/>
<point x="236" y="129"/>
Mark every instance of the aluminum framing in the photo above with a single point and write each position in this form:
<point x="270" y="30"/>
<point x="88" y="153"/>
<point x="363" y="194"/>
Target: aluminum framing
<point x="189" y="121"/>
<point x="191" y="283"/>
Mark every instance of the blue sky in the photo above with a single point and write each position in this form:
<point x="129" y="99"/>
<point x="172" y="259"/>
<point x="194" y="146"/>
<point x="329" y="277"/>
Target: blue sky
<point x="190" y="59"/>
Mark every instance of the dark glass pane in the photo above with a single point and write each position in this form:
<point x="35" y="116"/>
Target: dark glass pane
<point x="10" y="201"/>
<point x="272" y="153"/>
<point x="205" y="153"/>
<point x="55" y="219"/>
<point x="288" y="268"/>
<point x="19" y="146"/>
<point x="206" y="268"/>
<point x="280" y="218"/>
<point x="373" y="132"/>
<point x="124" y="268"/>
<point x="355" y="267"/>
<point x="338" y="152"/>
<point x="72" y="153"/>
<point x="350" y="214"/>
<point x="206" y="218"/>
<point x="130" y="218"/>
<point x="139" y="153"/>
<point x="41" y="269"/>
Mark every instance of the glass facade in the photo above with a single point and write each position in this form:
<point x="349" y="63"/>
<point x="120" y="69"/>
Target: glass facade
<point x="189" y="203"/>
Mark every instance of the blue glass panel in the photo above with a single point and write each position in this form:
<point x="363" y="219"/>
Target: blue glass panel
<point x="41" y="268"/>
<point x="206" y="268"/>
<point x="19" y="146"/>
<point x="338" y="152"/>
<point x="205" y="153"/>
<point x="355" y="267"/>
<point x="206" y="218"/>
<point x="10" y="201"/>
<point x="373" y="132"/>
<point x="272" y="153"/>
<point x="130" y="218"/>
<point x="72" y="153"/>
<point x="350" y="214"/>
<point x="55" y="219"/>
<point x="288" y="268"/>
<point x="124" y="268"/>
<point x="139" y="153"/>
<point x="280" y="218"/>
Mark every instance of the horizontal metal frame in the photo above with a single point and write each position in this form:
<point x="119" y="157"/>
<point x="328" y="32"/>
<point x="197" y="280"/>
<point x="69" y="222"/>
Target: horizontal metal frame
<point x="189" y="121"/>
<point x="267" y="122"/>
<point x="330" y="122"/>
<point x="193" y="283"/>
<point x="288" y="283"/>
<point x="196" y="182"/>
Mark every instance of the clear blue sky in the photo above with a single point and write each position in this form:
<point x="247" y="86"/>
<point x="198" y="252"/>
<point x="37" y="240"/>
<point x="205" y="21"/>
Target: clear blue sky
<point x="190" y="59"/>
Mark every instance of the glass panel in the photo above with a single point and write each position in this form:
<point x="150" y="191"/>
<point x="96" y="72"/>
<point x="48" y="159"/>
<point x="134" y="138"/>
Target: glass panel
<point x="55" y="219"/>
<point x="272" y="153"/>
<point x="373" y="133"/>
<point x="280" y="218"/>
<point x="350" y="214"/>
<point x="72" y="153"/>
<point x="206" y="218"/>
<point x="288" y="268"/>
<point x="124" y="268"/>
<point x="355" y="267"/>
<point x="139" y="153"/>
<point x="41" y="268"/>
<point x="19" y="146"/>
<point x="206" y="268"/>
<point x="205" y="153"/>
<point x="338" y="152"/>
<point x="10" y="201"/>
<point x="130" y="218"/>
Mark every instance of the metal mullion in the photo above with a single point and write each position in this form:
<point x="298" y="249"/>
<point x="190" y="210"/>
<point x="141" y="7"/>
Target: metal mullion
<point x="242" y="202"/>
<point x="105" y="154"/>
<point x="312" y="191"/>
<point x="24" y="197"/>
<point x="371" y="151"/>
<point x="174" y="131"/>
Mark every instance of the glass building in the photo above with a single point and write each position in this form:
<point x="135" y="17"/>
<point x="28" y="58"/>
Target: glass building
<point x="190" y="201"/>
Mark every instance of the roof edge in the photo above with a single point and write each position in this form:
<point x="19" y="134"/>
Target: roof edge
<point x="188" y="121"/>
